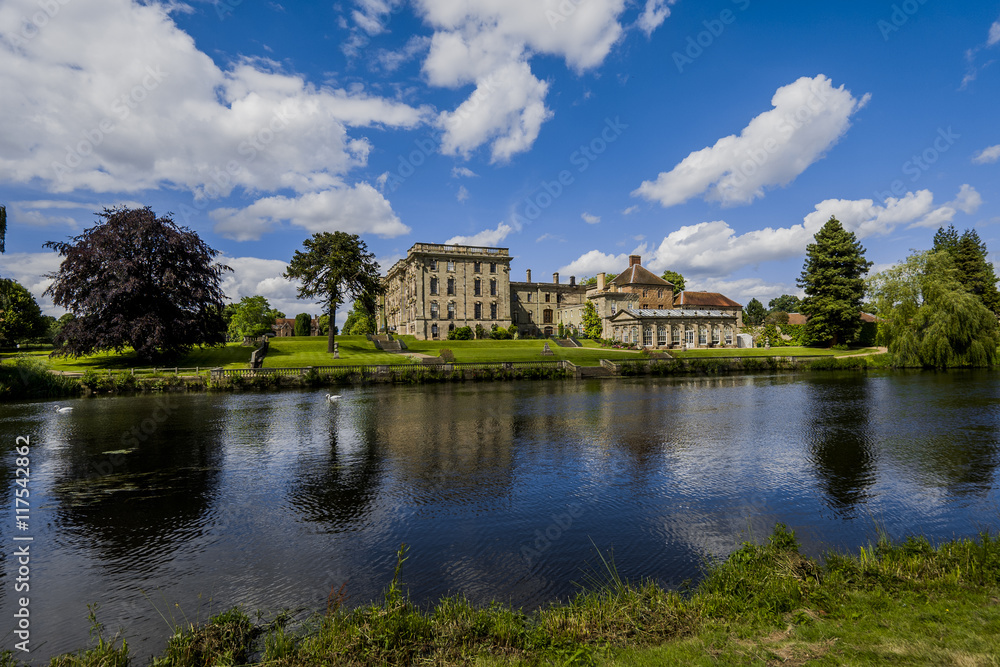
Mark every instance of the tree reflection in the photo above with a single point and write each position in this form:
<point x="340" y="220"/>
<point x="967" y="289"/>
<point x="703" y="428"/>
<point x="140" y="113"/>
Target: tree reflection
<point x="840" y="445"/>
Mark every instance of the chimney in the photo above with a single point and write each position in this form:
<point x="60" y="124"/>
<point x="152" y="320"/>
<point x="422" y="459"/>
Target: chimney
<point x="633" y="260"/>
<point x="600" y="282"/>
<point x="529" y="275"/>
<point x="555" y="278"/>
<point x="572" y="281"/>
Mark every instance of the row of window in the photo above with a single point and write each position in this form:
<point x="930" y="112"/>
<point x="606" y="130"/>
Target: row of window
<point x="631" y="334"/>
<point x="477" y="267"/>
<point x="477" y="286"/>
<point x="548" y="297"/>
<point x="477" y="309"/>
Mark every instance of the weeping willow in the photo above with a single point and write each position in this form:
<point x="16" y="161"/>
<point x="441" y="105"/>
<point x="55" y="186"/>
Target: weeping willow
<point x="928" y="319"/>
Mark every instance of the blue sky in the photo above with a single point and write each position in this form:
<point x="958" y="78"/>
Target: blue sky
<point x="713" y="138"/>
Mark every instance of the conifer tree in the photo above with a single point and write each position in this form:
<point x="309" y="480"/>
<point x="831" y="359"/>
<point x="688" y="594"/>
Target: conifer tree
<point x="975" y="272"/>
<point x="833" y="280"/>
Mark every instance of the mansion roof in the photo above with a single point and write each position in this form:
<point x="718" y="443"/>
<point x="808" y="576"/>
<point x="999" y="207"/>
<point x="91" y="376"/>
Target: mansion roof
<point x="637" y="274"/>
<point x="672" y="313"/>
<point x="705" y="300"/>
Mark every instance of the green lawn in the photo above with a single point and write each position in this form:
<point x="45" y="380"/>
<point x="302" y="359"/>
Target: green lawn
<point x="231" y="355"/>
<point x="303" y="351"/>
<point x="471" y="351"/>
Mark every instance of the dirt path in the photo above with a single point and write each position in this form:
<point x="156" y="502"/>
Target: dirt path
<point x="878" y="350"/>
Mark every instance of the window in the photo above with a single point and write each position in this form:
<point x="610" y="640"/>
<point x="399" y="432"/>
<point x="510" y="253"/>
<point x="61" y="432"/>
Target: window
<point x="644" y="292"/>
<point x="547" y="316"/>
<point x="647" y="335"/>
<point x="529" y="316"/>
<point x="477" y="267"/>
<point x="558" y="297"/>
<point x="493" y="311"/>
<point x="661" y="336"/>
<point x="434" y="285"/>
<point x="677" y="336"/>
<point x="702" y="336"/>
<point x="729" y="336"/>
<point x="493" y="287"/>
<point x="716" y="335"/>
<point x="451" y="265"/>
<point x="493" y="267"/>
<point x="645" y="306"/>
<point x="434" y="265"/>
<point x="434" y="331"/>
<point x="529" y="297"/>
<point x="659" y="294"/>
<point x="434" y="310"/>
<point x="689" y="336"/>
<point x="451" y="287"/>
<point x="477" y="287"/>
<point x="614" y="308"/>
<point x="513" y="318"/>
<point x="479" y="311"/>
<point x="451" y="312"/>
<point x="547" y="295"/>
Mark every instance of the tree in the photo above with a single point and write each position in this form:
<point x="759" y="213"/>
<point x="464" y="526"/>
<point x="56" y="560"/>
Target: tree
<point x="975" y="271"/>
<point x="20" y="316"/>
<point x="135" y="280"/>
<point x="927" y="318"/>
<point x="303" y="324"/>
<point x="754" y="313"/>
<point x="323" y="325"/>
<point x="461" y="333"/>
<point x="833" y="280"/>
<point x="359" y="321"/>
<point x="592" y="325"/>
<point x="676" y="279"/>
<point x="786" y="302"/>
<point x="252" y="316"/>
<point x="335" y="265"/>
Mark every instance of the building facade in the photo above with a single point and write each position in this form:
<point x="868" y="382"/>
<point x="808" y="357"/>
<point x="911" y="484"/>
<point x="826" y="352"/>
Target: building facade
<point x="438" y="288"/>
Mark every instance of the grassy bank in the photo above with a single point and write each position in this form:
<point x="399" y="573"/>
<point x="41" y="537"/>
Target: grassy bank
<point x="765" y="604"/>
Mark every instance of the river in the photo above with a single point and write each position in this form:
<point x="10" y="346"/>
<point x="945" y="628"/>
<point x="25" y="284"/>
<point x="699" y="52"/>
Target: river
<point x="167" y="509"/>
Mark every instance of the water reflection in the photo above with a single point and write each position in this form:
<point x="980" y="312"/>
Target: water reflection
<point x="840" y="439"/>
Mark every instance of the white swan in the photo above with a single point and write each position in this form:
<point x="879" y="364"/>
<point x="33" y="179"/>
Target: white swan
<point x="333" y="399"/>
<point x="58" y="409"/>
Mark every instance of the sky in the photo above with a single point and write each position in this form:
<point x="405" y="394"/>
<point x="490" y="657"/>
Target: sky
<point x="712" y="138"/>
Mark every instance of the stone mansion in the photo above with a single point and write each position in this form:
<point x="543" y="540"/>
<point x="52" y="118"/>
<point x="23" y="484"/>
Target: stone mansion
<point x="437" y="288"/>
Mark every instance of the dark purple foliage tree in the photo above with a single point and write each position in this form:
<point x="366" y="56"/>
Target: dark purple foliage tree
<point x="135" y="280"/>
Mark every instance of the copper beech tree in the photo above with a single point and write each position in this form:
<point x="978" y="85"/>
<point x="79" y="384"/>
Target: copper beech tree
<point x="137" y="281"/>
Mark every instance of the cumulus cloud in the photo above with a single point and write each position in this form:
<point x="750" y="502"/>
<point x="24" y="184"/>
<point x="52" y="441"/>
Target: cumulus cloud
<point x="994" y="36"/>
<point x="463" y="193"/>
<point x="252" y="276"/>
<point x="808" y="117"/>
<point x="594" y="262"/>
<point x="716" y="249"/>
<point x="590" y="219"/>
<point x="654" y="14"/>
<point x="111" y="96"/>
<point x="987" y="155"/>
<point x="355" y="210"/>
<point x="487" y="237"/>
<point x="29" y="269"/>
<point x="742" y="290"/>
<point x="490" y="43"/>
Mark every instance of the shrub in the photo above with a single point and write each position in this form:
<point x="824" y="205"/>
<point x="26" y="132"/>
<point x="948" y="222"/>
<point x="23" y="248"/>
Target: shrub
<point x="446" y="354"/>
<point x="500" y="333"/>
<point x="461" y="333"/>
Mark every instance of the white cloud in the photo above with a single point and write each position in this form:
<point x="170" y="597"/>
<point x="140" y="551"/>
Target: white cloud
<point x="356" y="210"/>
<point x="742" y="290"/>
<point x="809" y="116"/>
<point x="987" y="155"/>
<point x="29" y="269"/>
<point x="549" y="237"/>
<point x="594" y="262"/>
<point x="630" y="210"/>
<point x="590" y="219"/>
<point x="715" y="249"/>
<point x="487" y="237"/>
<point x="654" y="14"/>
<point x="968" y="200"/>
<point x="111" y="96"/>
<point x="994" y="36"/>
<point x="462" y="172"/>
<point x="490" y="43"/>
<point x="252" y="276"/>
<point x="507" y="109"/>
<point x="463" y="193"/>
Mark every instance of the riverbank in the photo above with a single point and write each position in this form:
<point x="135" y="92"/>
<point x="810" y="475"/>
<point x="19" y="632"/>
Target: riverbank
<point x="29" y="378"/>
<point x="904" y="602"/>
